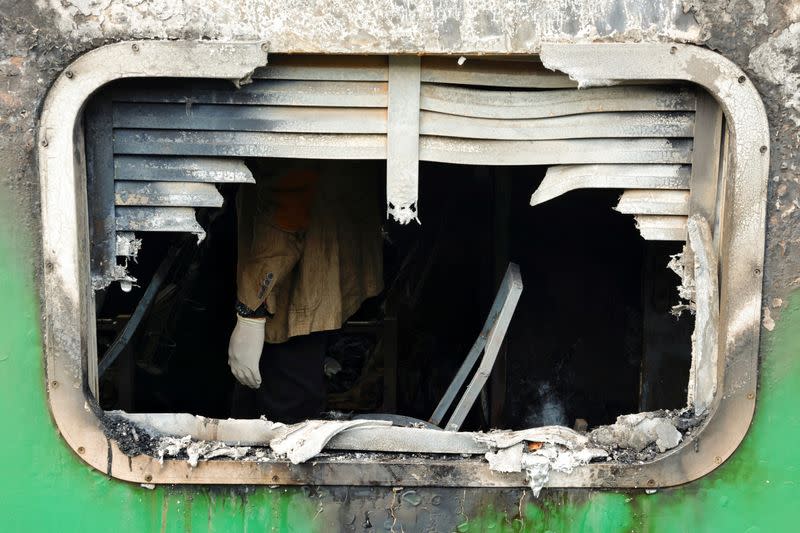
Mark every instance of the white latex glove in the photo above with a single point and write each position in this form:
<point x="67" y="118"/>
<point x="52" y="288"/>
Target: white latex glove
<point x="244" y="350"/>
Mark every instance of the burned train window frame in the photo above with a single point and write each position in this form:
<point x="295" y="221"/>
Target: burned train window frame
<point x="727" y="332"/>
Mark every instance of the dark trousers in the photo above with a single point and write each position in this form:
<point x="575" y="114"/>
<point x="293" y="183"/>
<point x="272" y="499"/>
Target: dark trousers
<point x="292" y="382"/>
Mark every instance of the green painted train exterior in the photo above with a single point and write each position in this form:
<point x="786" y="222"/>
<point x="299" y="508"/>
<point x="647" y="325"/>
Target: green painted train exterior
<point x="47" y="487"/>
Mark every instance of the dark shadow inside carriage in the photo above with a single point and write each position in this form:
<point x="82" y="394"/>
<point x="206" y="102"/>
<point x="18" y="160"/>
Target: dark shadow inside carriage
<point x="591" y="338"/>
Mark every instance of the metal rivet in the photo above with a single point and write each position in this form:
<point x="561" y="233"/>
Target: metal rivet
<point x="275" y="478"/>
<point x="763" y="149"/>
<point x="148" y="478"/>
<point x="750" y="395"/>
<point x="651" y="482"/>
<point x="673" y="50"/>
<point x="135" y="47"/>
<point x="81" y="450"/>
<point x="69" y="74"/>
<point x="44" y="142"/>
<point x="54" y="384"/>
<point x="742" y="79"/>
<point x="265" y="46"/>
<point x="756" y="271"/>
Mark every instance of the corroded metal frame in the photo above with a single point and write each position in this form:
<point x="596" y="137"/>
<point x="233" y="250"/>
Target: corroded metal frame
<point x="67" y="299"/>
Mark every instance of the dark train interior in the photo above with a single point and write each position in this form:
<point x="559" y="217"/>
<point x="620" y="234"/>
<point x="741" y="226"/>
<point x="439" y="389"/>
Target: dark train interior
<point x="591" y="338"/>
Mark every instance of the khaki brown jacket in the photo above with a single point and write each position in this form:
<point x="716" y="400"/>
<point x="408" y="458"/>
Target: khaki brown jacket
<point x="310" y="246"/>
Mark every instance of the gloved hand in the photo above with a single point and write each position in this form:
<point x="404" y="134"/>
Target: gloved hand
<point x="244" y="350"/>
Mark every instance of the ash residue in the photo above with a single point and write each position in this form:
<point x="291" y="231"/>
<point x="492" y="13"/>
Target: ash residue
<point x="642" y="437"/>
<point x="132" y="439"/>
<point x="633" y="439"/>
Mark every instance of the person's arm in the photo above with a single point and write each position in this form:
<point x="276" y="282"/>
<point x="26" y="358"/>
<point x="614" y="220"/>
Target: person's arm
<point x="272" y="223"/>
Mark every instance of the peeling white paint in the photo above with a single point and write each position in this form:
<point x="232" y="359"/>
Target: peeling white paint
<point x="768" y="322"/>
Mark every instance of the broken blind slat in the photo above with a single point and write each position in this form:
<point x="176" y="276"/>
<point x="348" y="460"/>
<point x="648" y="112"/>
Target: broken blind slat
<point x="210" y="117"/>
<point x="493" y="73"/>
<point x="561" y="179"/>
<point x="262" y="92"/>
<point x="170" y="219"/>
<point x="585" y="126"/>
<point x="470" y="102"/>
<point x="661" y="228"/>
<point x="559" y="152"/>
<point x="654" y="202"/>
<point x="249" y="144"/>
<point x="331" y="68"/>
<point x="169" y="193"/>
<point x="198" y="169"/>
<point x="402" y="140"/>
